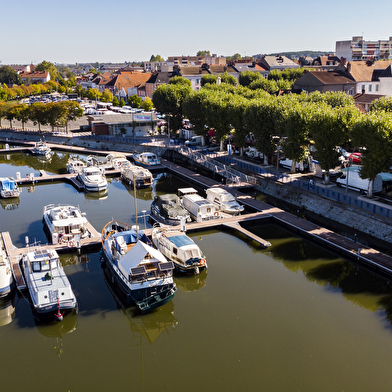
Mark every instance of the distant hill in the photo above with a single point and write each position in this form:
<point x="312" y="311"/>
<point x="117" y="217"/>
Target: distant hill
<point x="302" y="53"/>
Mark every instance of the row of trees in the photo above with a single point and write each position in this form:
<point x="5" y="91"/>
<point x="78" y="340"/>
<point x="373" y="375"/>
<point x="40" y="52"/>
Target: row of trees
<point x="55" y="114"/>
<point x="288" y="122"/>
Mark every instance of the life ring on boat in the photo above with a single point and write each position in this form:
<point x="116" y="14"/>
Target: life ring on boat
<point x="119" y="163"/>
<point x="216" y="213"/>
<point x="71" y="244"/>
<point x="202" y="261"/>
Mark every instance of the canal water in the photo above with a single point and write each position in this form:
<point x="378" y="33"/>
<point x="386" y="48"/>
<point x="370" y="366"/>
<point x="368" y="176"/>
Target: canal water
<point x="293" y="317"/>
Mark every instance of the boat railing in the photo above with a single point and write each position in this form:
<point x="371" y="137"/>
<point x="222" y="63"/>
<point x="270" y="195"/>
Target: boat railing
<point x="218" y="167"/>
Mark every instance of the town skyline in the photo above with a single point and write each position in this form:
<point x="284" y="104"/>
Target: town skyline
<point x="86" y="31"/>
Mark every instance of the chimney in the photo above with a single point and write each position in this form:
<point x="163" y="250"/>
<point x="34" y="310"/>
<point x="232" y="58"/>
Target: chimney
<point x="349" y="67"/>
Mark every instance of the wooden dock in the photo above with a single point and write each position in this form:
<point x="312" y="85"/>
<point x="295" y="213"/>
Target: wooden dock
<point x="15" y="254"/>
<point x="369" y="257"/>
<point x="362" y="254"/>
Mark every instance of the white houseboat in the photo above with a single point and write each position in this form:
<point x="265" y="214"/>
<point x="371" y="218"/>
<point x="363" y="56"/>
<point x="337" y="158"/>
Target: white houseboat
<point x="9" y="188"/>
<point x="41" y="148"/>
<point x="75" y="165"/>
<point x="199" y="208"/>
<point x="181" y="249"/>
<point x="139" y="175"/>
<point x="224" y="201"/>
<point x="118" y="160"/>
<point x="146" y="159"/>
<point x="140" y="271"/>
<point x="93" y="179"/>
<point x="49" y="288"/>
<point x="6" y="277"/>
<point x="65" y="224"/>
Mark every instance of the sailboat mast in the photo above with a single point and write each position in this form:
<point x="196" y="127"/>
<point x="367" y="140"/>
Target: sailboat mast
<point x="134" y="196"/>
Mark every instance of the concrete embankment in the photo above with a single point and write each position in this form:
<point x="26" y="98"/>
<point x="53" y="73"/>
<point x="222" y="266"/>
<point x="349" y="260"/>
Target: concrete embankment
<point x="367" y="228"/>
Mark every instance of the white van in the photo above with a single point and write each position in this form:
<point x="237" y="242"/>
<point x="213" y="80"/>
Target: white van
<point x="352" y="180"/>
<point x="195" y="141"/>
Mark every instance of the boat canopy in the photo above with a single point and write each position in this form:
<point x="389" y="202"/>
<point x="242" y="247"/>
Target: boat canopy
<point x="136" y="255"/>
<point x="8" y="184"/>
<point x="181" y="240"/>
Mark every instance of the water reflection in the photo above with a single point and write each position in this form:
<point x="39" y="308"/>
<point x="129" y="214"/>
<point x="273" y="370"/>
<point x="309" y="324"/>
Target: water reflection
<point x="56" y="330"/>
<point x="144" y="326"/>
<point x="358" y="285"/>
<point x="100" y="195"/>
<point x="7" y="308"/>
<point x="191" y="282"/>
<point x="10" y="204"/>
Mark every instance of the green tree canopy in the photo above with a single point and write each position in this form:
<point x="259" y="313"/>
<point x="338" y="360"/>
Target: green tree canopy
<point x="156" y="58"/>
<point x="50" y="67"/>
<point x="374" y="131"/>
<point x="9" y="76"/>
<point x="203" y="53"/>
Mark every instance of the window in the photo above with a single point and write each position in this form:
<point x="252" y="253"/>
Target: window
<point x="377" y="86"/>
<point x="370" y="88"/>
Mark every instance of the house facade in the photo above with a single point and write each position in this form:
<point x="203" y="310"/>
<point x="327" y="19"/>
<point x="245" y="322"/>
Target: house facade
<point x="358" y="49"/>
<point x="124" y="125"/>
<point x="35" y="77"/>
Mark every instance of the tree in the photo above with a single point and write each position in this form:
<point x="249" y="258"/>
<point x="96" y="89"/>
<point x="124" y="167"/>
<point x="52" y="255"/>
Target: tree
<point x="194" y="109"/>
<point x="180" y="80"/>
<point x="147" y="104"/>
<point x="245" y="78"/>
<point x="294" y="125"/>
<point x="229" y="79"/>
<point x="9" y="76"/>
<point x="50" y="67"/>
<point x="382" y="104"/>
<point x="72" y="111"/>
<point x="122" y="102"/>
<point x="134" y="101"/>
<point x="106" y="96"/>
<point x="157" y="58"/>
<point x="208" y="79"/>
<point x="203" y="53"/>
<point x="115" y="101"/>
<point x="38" y="114"/>
<point x="374" y="131"/>
<point x="329" y="128"/>
<point x="260" y="118"/>
<point x="168" y="99"/>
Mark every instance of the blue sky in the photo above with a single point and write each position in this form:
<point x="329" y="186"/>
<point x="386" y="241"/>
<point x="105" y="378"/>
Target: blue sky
<point x="128" y="30"/>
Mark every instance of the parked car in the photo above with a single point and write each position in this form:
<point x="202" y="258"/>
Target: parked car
<point x="252" y="152"/>
<point x="355" y="157"/>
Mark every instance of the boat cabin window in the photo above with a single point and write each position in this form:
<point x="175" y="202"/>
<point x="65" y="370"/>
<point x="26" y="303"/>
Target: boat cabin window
<point x="36" y="266"/>
<point x="175" y="250"/>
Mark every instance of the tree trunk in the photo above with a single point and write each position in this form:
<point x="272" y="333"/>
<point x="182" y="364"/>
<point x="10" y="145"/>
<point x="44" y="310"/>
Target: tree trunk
<point x="293" y="165"/>
<point x="326" y="177"/>
<point x="370" y="189"/>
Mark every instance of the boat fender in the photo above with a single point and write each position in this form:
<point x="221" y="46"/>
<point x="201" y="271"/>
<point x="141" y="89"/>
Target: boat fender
<point x="216" y="213"/>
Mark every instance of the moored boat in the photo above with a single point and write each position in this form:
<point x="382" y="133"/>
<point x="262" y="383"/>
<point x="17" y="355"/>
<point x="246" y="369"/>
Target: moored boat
<point x="99" y="161"/>
<point x="146" y="159"/>
<point x="93" y="179"/>
<point x="118" y="160"/>
<point x="169" y="210"/>
<point x="9" y="188"/>
<point x="41" y="148"/>
<point x="224" y="201"/>
<point x="75" y="165"/>
<point x="138" y="175"/>
<point x="141" y="272"/>
<point x="199" y="208"/>
<point x="49" y="288"/>
<point x="65" y="224"/>
<point x="181" y="249"/>
<point x="6" y="277"/>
